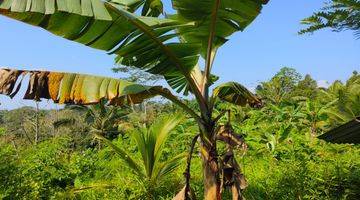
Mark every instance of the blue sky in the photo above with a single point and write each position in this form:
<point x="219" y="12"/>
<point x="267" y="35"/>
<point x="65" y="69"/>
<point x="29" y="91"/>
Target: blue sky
<point x="250" y="57"/>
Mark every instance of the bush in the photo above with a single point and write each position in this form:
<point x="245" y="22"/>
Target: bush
<point x="322" y="171"/>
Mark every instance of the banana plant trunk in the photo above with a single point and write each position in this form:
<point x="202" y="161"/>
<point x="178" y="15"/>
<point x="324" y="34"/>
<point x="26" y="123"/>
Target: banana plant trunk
<point x="216" y="176"/>
<point x="212" y="190"/>
<point x="212" y="183"/>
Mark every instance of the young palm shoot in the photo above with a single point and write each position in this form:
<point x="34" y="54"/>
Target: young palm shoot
<point x="150" y="143"/>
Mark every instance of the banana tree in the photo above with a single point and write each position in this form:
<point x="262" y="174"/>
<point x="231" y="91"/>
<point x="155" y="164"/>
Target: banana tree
<point x="170" y="45"/>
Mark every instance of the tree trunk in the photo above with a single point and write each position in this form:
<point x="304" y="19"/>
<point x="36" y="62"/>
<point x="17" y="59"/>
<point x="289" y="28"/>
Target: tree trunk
<point x="313" y="131"/>
<point x="211" y="183"/>
<point x="235" y="191"/>
<point x="37" y="124"/>
<point x="211" y="173"/>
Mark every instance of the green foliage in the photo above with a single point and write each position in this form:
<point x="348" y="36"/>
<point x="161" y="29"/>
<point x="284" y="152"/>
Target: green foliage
<point x="171" y="47"/>
<point x="150" y="144"/>
<point x="235" y="93"/>
<point x="306" y="88"/>
<point x="137" y="75"/>
<point x="279" y="88"/>
<point x="338" y="15"/>
<point x="46" y="170"/>
<point x="322" y="171"/>
<point x="284" y="160"/>
<point x="347" y="97"/>
<point x="9" y="171"/>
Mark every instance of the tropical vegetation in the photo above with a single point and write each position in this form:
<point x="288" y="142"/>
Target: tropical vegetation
<point x="282" y="158"/>
<point x="111" y="142"/>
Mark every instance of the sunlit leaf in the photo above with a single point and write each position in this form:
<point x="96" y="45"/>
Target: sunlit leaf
<point x="71" y="88"/>
<point x="235" y="93"/>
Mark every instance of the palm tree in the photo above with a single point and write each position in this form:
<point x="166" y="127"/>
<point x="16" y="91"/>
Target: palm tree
<point x="99" y="119"/>
<point x="150" y="144"/>
<point x="104" y="120"/>
<point x="337" y="15"/>
<point x="347" y="100"/>
<point x="170" y="46"/>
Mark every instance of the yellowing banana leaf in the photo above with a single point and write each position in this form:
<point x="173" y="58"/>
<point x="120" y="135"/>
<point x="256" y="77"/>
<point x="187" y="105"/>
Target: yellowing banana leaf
<point x="71" y="88"/>
<point x="235" y="93"/>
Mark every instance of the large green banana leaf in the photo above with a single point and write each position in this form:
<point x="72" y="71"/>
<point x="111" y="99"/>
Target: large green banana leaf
<point x="235" y="93"/>
<point x="71" y="88"/>
<point x="149" y="7"/>
<point x="144" y="42"/>
<point x="147" y="43"/>
<point x="232" y="16"/>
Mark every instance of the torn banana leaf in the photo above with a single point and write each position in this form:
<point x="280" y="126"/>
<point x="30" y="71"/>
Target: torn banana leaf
<point x="72" y="88"/>
<point x="237" y="94"/>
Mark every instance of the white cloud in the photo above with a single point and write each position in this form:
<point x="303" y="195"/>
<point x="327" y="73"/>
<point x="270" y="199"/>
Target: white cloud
<point x="323" y="83"/>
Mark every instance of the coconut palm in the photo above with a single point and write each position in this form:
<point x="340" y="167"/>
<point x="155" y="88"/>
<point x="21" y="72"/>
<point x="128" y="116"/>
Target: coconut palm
<point x="170" y="46"/>
<point x="150" y="144"/>
<point x="347" y="100"/>
<point x="98" y="119"/>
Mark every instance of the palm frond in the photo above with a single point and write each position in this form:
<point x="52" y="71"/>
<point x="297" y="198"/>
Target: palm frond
<point x="150" y="142"/>
<point x="165" y="168"/>
<point x="338" y="15"/>
<point x="124" y="155"/>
